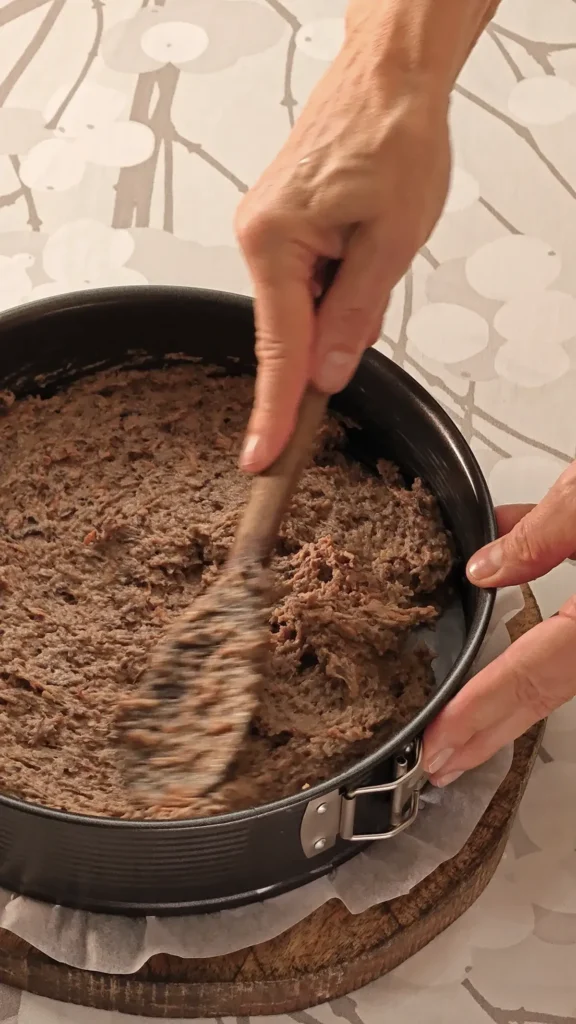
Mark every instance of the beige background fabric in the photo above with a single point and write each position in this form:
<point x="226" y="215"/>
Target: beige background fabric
<point x="128" y="131"/>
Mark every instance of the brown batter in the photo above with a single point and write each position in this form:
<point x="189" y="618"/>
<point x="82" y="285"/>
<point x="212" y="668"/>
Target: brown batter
<point x="118" y="501"/>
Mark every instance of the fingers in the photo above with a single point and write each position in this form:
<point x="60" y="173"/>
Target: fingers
<point x="536" y="674"/>
<point x="285" y="326"/>
<point x="293" y="343"/>
<point x="538" y="538"/>
<point x="284" y="337"/>
<point x="350" y="317"/>
<point x="532" y="678"/>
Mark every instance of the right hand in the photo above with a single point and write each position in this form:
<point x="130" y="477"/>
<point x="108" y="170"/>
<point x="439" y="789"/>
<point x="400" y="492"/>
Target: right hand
<point x="362" y="178"/>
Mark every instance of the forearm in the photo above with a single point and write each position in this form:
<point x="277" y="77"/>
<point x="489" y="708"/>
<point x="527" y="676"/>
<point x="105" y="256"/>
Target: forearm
<point x="419" y="39"/>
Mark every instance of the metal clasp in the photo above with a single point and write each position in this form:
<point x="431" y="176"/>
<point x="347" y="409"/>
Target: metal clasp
<point x="331" y="816"/>
<point x="405" y="789"/>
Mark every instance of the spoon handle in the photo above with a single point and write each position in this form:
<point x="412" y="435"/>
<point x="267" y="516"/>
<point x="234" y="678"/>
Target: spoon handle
<point x="272" y="490"/>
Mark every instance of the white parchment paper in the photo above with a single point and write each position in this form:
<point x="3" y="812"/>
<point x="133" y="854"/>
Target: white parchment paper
<point x="121" y="945"/>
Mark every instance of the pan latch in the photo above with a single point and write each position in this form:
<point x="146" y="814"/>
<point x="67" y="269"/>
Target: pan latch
<point x="334" y="815"/>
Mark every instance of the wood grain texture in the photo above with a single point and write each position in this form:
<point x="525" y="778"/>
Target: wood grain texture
<point x="328" y="955"/>
<point x="272" y="490"/>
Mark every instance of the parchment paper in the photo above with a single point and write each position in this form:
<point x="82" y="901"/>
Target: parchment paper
<point x="121" y="945"/>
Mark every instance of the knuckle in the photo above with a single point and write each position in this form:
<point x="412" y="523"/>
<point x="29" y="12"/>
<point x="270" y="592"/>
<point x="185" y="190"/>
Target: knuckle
<point x="522" y="546"/>
<point x="252" y="229"/>
<point x="276" y="395"/>
<point x="353" y="318"/>
<point x="261" y="219"/>
<point x="243" y="216"/>
<point x="271" y="352"/>
<point x="273" y="244"/>
<point x="347" y="327"/>
<point x="530" y="693"/>
<point x="568" y="609"/>
<point x="568" y="476"/>
<point x="566" y="487"/>
<point x="275" y="363"/>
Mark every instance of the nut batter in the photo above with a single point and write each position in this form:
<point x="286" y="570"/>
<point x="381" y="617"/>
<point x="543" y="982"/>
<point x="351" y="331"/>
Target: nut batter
<point x="118" y="500"/>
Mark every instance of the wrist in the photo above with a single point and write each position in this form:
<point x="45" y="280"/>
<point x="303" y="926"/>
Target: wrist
<point x="419" y="46"/>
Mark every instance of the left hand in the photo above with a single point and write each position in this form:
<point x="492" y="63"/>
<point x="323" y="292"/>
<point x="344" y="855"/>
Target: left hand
<point x="536" y="674"/>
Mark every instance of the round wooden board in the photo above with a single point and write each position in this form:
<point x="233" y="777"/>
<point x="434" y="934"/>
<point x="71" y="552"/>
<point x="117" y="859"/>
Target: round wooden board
<point x="326" y="956"/>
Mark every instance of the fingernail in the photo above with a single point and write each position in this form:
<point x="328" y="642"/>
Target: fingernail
<point x="251" y="451"/>
<point x="445" y="780"/>
<point x="486" y="562"/>
<point x="440" y="760"/>
<point x="335" y="371"/>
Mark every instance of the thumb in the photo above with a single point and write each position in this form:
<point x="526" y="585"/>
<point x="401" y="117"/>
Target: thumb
<point x="284" y="314"/>
<point x="351" y="314"/>
<point x="539" y="538"/>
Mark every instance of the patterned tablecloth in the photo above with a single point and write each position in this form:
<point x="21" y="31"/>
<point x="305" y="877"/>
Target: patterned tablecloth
<point x="128" y="131"/>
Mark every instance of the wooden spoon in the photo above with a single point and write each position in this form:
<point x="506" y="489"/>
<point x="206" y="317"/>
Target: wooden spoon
<point x="202" y="686"/>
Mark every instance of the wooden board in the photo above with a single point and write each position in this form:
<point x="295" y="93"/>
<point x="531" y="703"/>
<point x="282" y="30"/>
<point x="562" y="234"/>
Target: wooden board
<point x="324" y="957"/>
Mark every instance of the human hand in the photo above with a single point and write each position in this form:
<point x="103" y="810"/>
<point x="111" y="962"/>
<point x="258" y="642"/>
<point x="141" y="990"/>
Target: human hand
<point x="537" y="673"/>
<point x="362" y="178"/>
